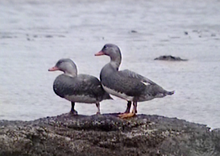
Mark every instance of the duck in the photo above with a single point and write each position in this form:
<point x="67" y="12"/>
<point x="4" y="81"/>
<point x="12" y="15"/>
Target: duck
<point x="81" y="88"/>
<point x="126" y="84"/>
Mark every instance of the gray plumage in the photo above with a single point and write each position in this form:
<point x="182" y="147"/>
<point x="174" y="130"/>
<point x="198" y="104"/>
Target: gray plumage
<point x="82" y="85"/>
<point x="127" y="84"/>
<point x="77" y="88"/>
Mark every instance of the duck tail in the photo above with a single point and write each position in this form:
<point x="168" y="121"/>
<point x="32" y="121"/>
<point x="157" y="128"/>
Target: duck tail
<point x="170" y="92"/>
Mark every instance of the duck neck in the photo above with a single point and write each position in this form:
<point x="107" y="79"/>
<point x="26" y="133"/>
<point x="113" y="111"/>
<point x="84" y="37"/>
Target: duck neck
<point x="115" y="62"/>
<point x="71" y="73"/>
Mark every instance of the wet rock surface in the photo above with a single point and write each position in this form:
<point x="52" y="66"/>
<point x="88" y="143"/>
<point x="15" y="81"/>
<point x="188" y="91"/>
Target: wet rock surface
<point x="107" y="134"/>
<point x="170" y="58"/>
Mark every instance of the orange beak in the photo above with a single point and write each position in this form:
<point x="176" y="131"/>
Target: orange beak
<point x="99" y="53"/>
<point x="53" y="69"/>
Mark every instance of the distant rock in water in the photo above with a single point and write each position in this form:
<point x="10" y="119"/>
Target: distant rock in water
<point x="169" y="58"/>
<point x="107" y="134"/>
<point x="133" y="31"/>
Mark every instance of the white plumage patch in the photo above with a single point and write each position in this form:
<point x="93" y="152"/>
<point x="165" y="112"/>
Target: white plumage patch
<point x="118" y="94"/>
<point x="145" y="83"/>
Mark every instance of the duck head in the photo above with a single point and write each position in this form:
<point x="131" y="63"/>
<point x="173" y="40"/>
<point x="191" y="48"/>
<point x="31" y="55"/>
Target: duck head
<point x="113" y="52"/>
<point x="65" y="65"/>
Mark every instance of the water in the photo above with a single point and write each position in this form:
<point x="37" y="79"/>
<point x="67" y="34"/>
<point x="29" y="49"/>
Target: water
<point x="34" y="34"/>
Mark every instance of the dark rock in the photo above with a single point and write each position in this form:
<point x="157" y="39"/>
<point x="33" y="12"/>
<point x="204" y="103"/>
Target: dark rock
<point x="133" y="31"/>
<point x="48" y="36"/>
<point x="170" y="58"/>
<point x="6" y="36"/>
<point x="61" y="36"/>
<point x="98" y="135"/>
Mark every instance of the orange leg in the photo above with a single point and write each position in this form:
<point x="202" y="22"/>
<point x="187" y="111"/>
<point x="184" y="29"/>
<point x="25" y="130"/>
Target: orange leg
<point x="128" y="114"/>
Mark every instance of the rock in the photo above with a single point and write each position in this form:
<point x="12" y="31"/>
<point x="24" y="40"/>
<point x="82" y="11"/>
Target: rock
<point x="170" y="58"/>
<point x="134" y="31"/>
<point x="186" y="33"/>
<point x="49" y="36"/>
<point x="99" y="135"/>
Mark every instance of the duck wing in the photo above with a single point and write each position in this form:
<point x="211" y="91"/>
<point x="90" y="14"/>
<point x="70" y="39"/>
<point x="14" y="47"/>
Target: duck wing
<point x="93" y="85"/>
<point x="151" y="90"/>
<point x="81" y="85"/>
<point x="131" y="74"/>
<point x="123" y="83"/>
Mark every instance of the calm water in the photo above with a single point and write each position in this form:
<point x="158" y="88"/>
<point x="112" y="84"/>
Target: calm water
<point x="35" y="34"/>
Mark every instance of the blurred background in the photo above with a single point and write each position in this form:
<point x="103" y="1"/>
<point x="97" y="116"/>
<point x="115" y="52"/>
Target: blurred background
<point x="34" y="34"/>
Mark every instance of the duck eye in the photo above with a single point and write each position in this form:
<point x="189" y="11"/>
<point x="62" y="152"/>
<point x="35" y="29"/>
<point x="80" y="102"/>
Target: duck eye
<point x="104" y="48"/>
<point x="58" y="63"/>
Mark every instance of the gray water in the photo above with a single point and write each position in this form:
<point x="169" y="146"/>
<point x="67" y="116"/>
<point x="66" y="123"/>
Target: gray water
<point x="34" y="34"/>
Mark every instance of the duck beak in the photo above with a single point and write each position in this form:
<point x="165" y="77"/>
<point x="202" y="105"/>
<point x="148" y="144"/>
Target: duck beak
<point x="100" y="53"/>
<point x="53" y="69"/>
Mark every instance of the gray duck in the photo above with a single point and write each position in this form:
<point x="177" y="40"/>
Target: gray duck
<point x="80" y="88"/>
<point x="127" y="84"/>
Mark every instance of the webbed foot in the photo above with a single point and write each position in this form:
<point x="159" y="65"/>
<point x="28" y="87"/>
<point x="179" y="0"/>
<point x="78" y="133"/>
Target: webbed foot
<point x="98" y="113"/>
<point x="126" y="115"/>
<point x="73" y="112"/>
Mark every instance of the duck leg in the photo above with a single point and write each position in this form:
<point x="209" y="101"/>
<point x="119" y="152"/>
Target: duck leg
<point x="129" y="115"/>
<point x="98" y="106"/>
<point x="128" y="107"/>
<point x="73" y="111"/>
<point x="134" y="107"/>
